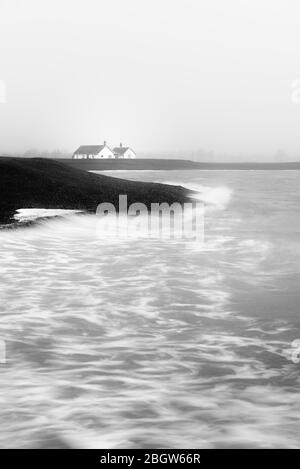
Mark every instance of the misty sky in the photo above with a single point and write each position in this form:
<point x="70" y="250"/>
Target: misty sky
<point x="159" y="75"/>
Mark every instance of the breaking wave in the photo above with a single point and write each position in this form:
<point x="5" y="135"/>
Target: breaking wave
<point x="151" y="342"/>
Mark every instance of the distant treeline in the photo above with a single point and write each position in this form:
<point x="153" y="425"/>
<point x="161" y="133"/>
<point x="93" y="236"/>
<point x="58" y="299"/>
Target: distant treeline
<point x="34" y="153"/>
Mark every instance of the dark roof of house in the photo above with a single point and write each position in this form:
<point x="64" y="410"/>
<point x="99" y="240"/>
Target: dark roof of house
<point x="120" y="150"/>
<point x="89" y="150"/>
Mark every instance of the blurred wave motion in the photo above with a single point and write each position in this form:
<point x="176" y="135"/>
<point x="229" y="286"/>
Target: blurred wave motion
<point x="157" y="343"/>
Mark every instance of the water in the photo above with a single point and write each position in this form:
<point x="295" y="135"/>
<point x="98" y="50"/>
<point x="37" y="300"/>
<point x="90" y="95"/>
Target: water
<point x="157" y="343"/>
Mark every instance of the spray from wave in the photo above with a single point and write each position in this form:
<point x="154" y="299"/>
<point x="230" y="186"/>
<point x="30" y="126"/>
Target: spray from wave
<point x="215" y="197"/>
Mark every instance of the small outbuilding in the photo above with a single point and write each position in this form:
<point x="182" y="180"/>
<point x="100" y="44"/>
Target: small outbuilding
<point x="124" y="152"/>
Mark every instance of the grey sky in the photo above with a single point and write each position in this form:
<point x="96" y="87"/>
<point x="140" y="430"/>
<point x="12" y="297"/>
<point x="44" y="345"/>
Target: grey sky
<point x="157" y="74"/>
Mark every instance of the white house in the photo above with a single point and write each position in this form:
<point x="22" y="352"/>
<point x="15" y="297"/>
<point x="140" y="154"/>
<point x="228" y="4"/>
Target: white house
<point x="93" y="152"/>
<point x="124" y="152"/>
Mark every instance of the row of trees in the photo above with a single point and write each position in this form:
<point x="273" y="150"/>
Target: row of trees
<point x="33" y="152"/>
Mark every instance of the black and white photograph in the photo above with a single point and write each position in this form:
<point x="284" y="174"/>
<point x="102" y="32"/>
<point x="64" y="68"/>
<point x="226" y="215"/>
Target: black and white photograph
<point x="149" y="228"/>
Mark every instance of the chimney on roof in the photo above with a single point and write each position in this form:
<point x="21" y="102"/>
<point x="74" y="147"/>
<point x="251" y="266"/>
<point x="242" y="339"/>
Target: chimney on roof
<point x="121" y="145"/>
<point x="104" y="142"/>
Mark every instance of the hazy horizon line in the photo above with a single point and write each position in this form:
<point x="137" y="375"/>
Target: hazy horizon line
<point x="195" y="155"/>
